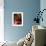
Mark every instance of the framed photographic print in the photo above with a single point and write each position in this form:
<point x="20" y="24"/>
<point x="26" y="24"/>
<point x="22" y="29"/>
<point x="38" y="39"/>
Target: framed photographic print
<point x="17" y="18"/>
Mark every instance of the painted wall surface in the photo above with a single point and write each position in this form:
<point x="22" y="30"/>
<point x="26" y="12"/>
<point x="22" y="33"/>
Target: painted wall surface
<point x="43" y="6"/>
<point x="29" y="8"/>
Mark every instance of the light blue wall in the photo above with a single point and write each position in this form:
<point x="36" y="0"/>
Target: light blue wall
<point x="43" y="6"/>
<point x="28" y="7"/>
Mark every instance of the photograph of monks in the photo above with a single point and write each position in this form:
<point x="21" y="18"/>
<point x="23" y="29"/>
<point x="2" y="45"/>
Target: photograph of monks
<point x="17" y="18"/>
